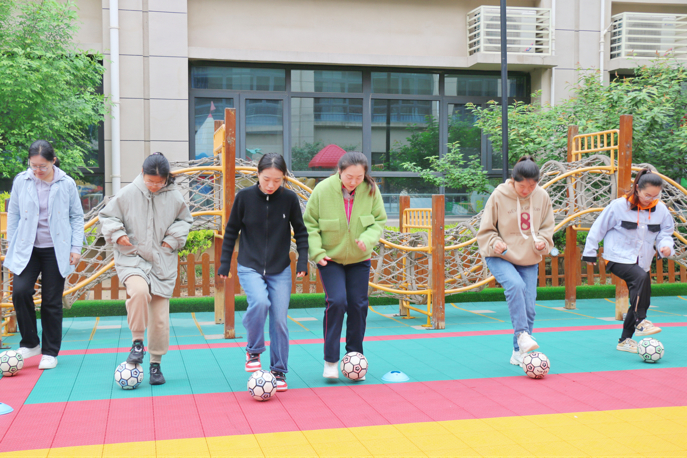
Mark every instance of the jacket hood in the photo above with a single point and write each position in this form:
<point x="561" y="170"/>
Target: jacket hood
<point x="508" y="190"/>
<point x="140" y="184"/>
<point x="59" y="174"/>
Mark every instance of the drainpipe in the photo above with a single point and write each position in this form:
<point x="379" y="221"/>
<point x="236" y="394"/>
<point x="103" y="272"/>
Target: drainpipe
<point x="602" y="40"/>
<point x="114" y="89"/>
<point x="553" y="51"/>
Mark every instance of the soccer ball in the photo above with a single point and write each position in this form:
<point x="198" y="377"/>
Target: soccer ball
<point x="650" y="350"/>
<point x="262" y="385"/>
<point x="11" y="362"/>
<point x="354" y="365"/>
<point x="536" y="365"/>
<point x="128" y="375"/>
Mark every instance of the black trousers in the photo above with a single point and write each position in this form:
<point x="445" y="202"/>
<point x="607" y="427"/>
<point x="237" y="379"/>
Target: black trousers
<point x="345" y="289"/>
<point x="639" y="284"/>
<point x="43" y="261"/>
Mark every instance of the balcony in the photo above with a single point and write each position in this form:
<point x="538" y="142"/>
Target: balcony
<point x="648" y="36"/>
<point x="529" y="31"/>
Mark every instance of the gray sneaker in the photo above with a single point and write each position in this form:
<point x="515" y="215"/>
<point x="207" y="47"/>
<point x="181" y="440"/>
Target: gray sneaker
<point x="516" y="358"/>
<point x="526" y="343"/>
<point x="627" y="345"/>
<point x="646" y="328"/>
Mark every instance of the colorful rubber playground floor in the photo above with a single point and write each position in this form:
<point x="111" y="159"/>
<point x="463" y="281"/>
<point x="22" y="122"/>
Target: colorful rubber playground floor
<point x="463" y="397"/>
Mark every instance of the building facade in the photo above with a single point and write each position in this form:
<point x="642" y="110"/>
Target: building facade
<point x="391" y="79"/>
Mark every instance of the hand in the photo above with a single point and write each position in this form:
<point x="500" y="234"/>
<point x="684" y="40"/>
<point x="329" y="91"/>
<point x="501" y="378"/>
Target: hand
<point x="74" y="258"/>
<point x="323" y="262"/>
<point x="592" y="263"/>
<point x="124" y="241"/>
<point x="300" y="274"/>
<point x="540" y="245"/>
<point x="166" y="245"/>
<point x="500" y="247"/>
<point x="361" y="245"/>
<point x="665" y="251"/>
<point x="224" y="277"/>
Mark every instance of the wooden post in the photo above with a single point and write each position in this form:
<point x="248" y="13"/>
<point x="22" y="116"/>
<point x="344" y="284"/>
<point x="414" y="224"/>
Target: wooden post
<point x="438" y="289"/>
<point x="571" y="262"/>
<point x="403" y="203"/>
<point x="229" y="189"/>
<point x="624" y="185"/>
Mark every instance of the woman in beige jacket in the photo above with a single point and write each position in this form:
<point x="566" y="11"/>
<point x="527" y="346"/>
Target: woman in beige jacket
<point x="148" y="222"/>
<point x="515" y="231"/>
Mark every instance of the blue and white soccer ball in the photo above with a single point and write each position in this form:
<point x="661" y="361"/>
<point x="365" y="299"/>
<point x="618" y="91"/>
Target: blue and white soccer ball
<point x="354" y="365"/>
<point x="536" y="365"/>
<point x="11" y="362"/>
<point x="128" y="375"/>
<point x="650" y="350"/>
<point x="262" y="385"/>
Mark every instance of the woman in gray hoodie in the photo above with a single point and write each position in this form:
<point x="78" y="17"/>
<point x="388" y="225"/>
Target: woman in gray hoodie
<point x="148" y="222"/>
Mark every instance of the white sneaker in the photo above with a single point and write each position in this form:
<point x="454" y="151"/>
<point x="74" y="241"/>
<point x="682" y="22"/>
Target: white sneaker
<point x="27" y="353"/>
<point x="526" y="343"/>
<point x="516" y="358"/>
<point x="331" y="370"/>
<point x="47" y="362"/>
<point x="627" y="345"/>
<point x="646" y="328"/>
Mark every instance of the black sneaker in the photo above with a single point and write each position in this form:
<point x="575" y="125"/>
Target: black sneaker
<point x="137" y="353"/>
<point x="281" y="381"/>
<point x="156" y="377"/>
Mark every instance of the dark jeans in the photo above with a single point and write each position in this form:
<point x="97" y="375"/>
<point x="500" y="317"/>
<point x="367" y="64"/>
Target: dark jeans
<point x="639" y="285"/>
<point x="43" y="261"/>
<point x="345" y="289"/>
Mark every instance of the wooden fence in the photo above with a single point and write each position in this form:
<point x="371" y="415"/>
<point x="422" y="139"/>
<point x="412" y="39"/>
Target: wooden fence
<point x="197" y="276"/>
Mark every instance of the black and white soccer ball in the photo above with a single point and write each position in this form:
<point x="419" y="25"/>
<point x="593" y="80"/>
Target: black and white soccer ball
<point x="650" y="350"/>
<point x="128" y="375"/>
<point x="536" y="365"/>
<point x="11" y="362"/>
<point x="354" y="365"/>
<point x="262" y="385"/>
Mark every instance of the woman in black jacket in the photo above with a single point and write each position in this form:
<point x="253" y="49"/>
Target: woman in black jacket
<point x="265" y="214"/>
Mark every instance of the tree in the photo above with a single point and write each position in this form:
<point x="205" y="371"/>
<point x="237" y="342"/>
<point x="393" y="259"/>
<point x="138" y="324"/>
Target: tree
<point x="48" y="89"/>
<point x="656" y="96"/>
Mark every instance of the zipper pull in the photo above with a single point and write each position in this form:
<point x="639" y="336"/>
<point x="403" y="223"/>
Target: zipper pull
<point x="268" y="198"/>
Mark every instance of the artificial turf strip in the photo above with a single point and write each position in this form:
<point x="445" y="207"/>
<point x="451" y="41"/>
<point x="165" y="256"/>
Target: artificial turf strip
<point x="207" y="304"/>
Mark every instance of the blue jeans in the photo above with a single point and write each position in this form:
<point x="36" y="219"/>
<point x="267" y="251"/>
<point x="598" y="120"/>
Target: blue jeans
<point x="267" y="294"/>
<point x="520" y="284"/>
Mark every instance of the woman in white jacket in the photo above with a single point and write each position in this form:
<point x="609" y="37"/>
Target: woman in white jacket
<point x="148" y="222"/>
<point x="634" y="228"/>
<point x="45" y="233"/>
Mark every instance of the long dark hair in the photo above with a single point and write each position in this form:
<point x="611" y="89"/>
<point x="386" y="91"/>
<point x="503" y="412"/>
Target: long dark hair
<point x="45" y="150"/>
<point x="272" y="161"/>
<point x="157" y="165"/>
<point x="525" y="169"/>
<point x="356" y="158"/>
<point x="644" y="178"/>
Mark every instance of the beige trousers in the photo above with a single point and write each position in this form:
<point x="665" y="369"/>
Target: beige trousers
<point x="146" y="311"/>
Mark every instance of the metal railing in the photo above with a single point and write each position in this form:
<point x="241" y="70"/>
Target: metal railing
<point x="529" y="30"/>
<point x="649" y="35"/>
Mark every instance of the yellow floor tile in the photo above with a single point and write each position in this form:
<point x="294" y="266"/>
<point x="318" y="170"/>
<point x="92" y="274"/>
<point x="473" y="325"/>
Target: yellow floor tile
<point x="84" y="451"/>
<point x="617" y="429"/>
<point x="323" y="436"/>
<point x="467" y="426"/>
<point x="560" y="448"/>
<point x="508" y="422"/>
<point x="485" y="438"/>
<point x="608" y="447"/>
<point x="525" y="435"/>
<point x="637" y="414"/>
<point x="294" y="438"/>
<point x="651" y="445"/>
<point x="123" y="450"/>
<point x="39" y="453"/>
<point x="196" y="447"/>
<point x="669" y="413"/>
<point x="430" y="428"/>
<point x="392" y="447"/>
<point x="240" y="446"/>
<point x="376" y="432"/>
<point x="341" y="449"/>
<point x="679" y="439"/>
<point x="550" y="420"/>
<point x="289" y="450"/>
<point x="437" y="442"/>
<point x="575" y="432"/>
<point x="237" y="453"/>
<point x="501" y="450"/>
<point x="452" y="453"/>
<point x="659" y="426"/>
<point x="593" y="417"/>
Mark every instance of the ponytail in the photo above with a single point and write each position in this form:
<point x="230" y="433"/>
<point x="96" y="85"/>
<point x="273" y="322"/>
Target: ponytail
<point x="644" y="178"/>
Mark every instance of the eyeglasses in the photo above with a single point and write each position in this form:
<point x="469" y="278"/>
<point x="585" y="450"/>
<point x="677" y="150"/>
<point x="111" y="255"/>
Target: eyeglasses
<point x="152" y="184"/>
<point x="42" y="168"/>
<point x="649" y="197"/>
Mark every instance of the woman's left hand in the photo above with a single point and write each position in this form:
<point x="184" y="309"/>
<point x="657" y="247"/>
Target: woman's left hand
<point x="665" y="251"/>
<point x="166" y="245"/>
<point x="74" y="258"/>
<point x="300" y="274"/>
<point x="361" y="245"/>
<point x="540" y="245"/>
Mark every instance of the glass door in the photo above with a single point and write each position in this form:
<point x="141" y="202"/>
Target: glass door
<point x="261" y="126"/>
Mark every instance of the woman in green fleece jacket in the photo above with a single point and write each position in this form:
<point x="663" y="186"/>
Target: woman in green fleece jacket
<point x="345" y="218"/>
